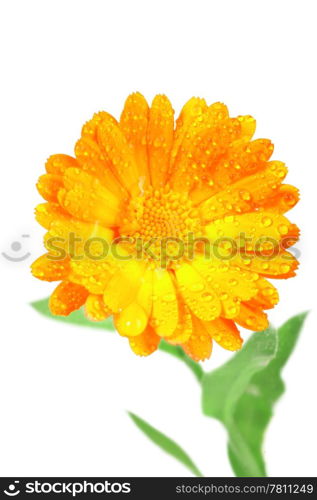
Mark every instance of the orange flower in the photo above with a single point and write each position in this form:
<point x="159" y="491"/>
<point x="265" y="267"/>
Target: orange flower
<point x="172" y="230"/>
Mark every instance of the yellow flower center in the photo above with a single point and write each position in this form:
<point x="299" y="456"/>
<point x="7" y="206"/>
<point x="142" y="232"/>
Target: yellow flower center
<point x="160" y="222"/>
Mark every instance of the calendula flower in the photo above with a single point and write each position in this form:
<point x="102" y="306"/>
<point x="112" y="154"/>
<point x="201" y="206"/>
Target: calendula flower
<point x="172" y="230"/>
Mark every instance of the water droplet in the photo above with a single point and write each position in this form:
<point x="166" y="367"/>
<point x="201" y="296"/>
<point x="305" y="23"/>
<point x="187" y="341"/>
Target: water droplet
<point x="283" y="229"/>
<point x="197" y="287"/>
<point x="266" y="221"/>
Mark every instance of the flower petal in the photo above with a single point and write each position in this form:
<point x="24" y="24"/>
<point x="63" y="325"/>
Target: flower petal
<point x="47" y="269"/>
<point x="131" y="321"/>
<point x="87" y="199"/>
<point x="93" y="160"/>
<point x="193" y="109"/>
<point x="95" y="308"/>
<point x="164" y="316"/>
<point x="122" y="288"/>
<point x="119" y="155"/>
<point x="245" y="195"/>
<point x="254" y="230"/>
<point x="146" y="343"/>
<point x="184" y="327"/>
<point x="197" y="293"/>
<point x="58" y="164"/>
<point x="225" y="333"/>
<point x="48" y="186"/>
<point x="252" y="318"/>
<point x="134" y="124"/>
<point x="66" y="298"/>
<point x="160" y="139"/>
<point x="199" y="345"/>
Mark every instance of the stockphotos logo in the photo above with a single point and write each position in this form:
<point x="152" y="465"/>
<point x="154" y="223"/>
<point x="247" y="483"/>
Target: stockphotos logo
<point x="68" y="488"/>
<point x="13" y="489"/>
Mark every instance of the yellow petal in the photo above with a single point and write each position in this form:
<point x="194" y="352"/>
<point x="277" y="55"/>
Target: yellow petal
<point x="257" y="231"/>
<point x="78" y="239"/>
<point x="229" y="284"/>
<point x="248" y="125"/>
<point x="241" y="159"/>
<point x="124" y="285"/>
<point x="197" y="293"/>
<point x="131" y="321"/>
<point x="95" y="308"/>
<point x="165" y="309"/>
<point x="282" y="265"/>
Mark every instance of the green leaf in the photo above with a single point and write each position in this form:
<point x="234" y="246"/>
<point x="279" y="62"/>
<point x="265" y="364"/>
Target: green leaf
<point x="76" y="318"/>
<point x="178" y="352"/>
<point x="242" y="393"/>
<point x="166" y="443"/>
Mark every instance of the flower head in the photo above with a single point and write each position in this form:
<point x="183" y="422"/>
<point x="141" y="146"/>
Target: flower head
<point x="174" y="231"/>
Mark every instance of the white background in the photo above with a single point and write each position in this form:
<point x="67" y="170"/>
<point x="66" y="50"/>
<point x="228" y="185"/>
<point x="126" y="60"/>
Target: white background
<point x="64" y="390"/>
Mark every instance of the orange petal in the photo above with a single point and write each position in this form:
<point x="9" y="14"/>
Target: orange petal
<point x="199" y="345"/>
<point x="206" y="141"/>
<point x="134" y="123"/>
<point x="160" y="139"/>
<point x="241" y="160"/>
<point x="47" y="269"/>
<point x="252" y="318"/>
<point x="267" y="295"/>
<point x="46" y="213"/>
<point x="48" y="186"/>
<point x="282" y="265"/>
<point x="146" y="343"/>
<point x="119" y="155"/>
<point x="225" y="333"/>
<point x="58" y="164"/>
<point x="245" y="195"/>
<point x="87" y="199"/>
<point x="66" y="298"/>
<point x="284" y="199"/>
<point x="184" y="327"/>
<point x="95" y="162"/>
<point x="193" y="109"/>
